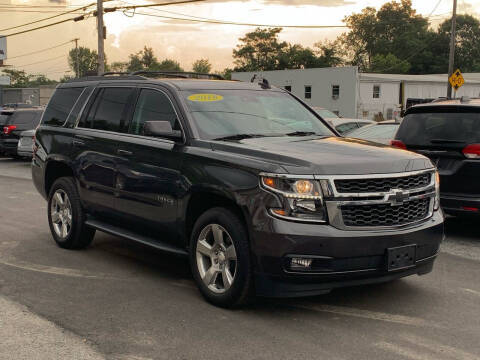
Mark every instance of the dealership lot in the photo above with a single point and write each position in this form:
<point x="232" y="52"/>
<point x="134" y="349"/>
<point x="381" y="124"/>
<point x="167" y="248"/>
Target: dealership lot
<point x="121" y="301"/>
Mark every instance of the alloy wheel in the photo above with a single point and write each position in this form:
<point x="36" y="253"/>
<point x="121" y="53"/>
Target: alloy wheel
<point x="61" y="213"/>
<point x="216" y="258"/>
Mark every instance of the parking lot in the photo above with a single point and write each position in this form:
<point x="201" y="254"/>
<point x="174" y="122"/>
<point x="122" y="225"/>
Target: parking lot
<point x="117" y="300"/>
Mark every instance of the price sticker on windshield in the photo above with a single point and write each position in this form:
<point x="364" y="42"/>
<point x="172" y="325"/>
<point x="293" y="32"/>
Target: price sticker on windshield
<point x="205" y="97"/>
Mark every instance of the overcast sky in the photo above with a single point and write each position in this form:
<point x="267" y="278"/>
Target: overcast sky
<point x="181" y="40"/>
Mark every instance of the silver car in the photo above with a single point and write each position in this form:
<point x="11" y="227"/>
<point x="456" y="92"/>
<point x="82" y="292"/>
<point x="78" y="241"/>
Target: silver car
<point x="25" y="144"/>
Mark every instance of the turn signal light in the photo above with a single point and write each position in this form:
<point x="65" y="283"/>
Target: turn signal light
<point x="398" y="144"/>
<point x="8" y="129"/>
<point x="472" y="151"/>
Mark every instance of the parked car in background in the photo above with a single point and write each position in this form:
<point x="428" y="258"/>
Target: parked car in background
<point x="448" y="132"/>
<point x="25" y="144"/>
<point x="342" y="125"/>
<point x="17" y="120"/>
<point x="382" y="132"/>
<point x="243" y="178"/>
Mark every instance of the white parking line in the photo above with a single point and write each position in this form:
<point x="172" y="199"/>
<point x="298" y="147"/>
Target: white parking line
<point x="372" y="315"/>
<point x="474" y="292"/>
<point x="405" y="352"/>
<point x="437" y="347"/>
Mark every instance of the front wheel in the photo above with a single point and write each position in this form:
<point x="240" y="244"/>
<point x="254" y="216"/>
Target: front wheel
<point x="220" y="258"/>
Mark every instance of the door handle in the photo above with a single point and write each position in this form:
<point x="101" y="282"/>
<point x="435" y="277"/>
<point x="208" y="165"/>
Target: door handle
<point x="124" y="152"/>
<point x="77" y="142"/>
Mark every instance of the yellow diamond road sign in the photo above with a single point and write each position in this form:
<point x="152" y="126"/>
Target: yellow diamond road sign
<point x="456" y="80"/>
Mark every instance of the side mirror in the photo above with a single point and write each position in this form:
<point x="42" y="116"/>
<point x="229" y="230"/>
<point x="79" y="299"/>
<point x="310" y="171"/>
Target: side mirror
<point x="161" y="129"/>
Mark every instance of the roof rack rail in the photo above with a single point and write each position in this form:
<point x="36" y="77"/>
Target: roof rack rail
<point x="108" y="73"/>
<point x="181" y="74"/>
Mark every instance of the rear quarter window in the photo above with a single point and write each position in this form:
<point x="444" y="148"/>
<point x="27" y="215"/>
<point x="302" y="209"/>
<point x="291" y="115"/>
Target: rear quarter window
<point x="60" y="105"/>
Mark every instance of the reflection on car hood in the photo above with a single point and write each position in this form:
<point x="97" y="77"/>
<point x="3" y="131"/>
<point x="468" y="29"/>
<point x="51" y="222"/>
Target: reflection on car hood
<point x="327" y="156"/>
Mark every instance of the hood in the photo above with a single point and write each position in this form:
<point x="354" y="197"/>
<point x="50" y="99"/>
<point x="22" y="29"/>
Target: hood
<point x="326" y="156"/>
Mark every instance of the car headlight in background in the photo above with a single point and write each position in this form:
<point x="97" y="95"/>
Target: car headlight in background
<point x="436" y="204"/>
<point x="302" y="199"/>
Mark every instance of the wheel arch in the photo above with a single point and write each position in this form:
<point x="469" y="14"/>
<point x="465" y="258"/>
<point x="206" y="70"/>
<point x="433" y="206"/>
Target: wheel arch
<point x="203" y="200"/>
<point x="54" y="169"/>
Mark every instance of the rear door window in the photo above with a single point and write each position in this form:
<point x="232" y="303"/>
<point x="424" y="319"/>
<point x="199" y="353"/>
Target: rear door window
<point x="60" y="105"/>
<point x="433" y="128"/>
<point x="108" y="111"/>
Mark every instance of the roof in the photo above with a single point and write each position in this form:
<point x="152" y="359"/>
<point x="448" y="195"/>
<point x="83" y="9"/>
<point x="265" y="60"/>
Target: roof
<point x="471" y="78"/>
<point x="463" y="102"/>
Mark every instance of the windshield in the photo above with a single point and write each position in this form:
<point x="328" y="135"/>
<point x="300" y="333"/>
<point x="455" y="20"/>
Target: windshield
<point x="226" y="113"/>
<point x="324" y="113"/>
<point x="434" y="127"/>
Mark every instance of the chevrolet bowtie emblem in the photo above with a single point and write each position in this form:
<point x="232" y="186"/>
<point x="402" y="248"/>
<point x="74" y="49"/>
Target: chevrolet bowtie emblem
<point x="397" y="197"/>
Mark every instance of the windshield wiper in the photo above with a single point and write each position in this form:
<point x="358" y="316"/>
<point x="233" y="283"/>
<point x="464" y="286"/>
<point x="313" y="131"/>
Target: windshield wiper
<point x="301" y="133"/>
<point x="239" y="137"/>
<point x="446" y="141"/>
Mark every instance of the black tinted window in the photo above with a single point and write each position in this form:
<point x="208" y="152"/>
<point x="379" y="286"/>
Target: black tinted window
<point x="108" y="110"/>
<point x="153" y="105"/>
<point x="433" y="127"/>
<point x="26" y="119"/>
<point x="4" y="117"/>
<point x="60" y="105"/>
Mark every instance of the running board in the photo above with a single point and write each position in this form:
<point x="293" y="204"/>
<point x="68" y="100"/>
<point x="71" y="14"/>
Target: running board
<point x="117" y="231"/>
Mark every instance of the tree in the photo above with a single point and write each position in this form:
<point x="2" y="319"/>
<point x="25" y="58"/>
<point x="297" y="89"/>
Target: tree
<point x="227" y="73"/>
<point x="259" y="50"/>
<point x="19" y="78"/>
<point x="296" y="57"/>
<point x="467" y="49"/>
<point x="202" y="66"/>
<point x="329" y="54"/>
<point x="85" y="58"/>
<point x="118" y="66"/>
<point x="169" y="65"/>
<point x="389" y="64"/>
<point x="394" y="29"/>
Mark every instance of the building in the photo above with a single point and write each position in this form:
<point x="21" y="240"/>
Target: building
<point x="352" y="94"/>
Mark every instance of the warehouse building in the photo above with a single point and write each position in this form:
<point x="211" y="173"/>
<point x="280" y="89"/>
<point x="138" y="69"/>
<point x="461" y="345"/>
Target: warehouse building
<point x="351" y="94"/>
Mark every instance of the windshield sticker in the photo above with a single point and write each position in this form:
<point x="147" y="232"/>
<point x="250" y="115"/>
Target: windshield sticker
<point x="205" y="97"/>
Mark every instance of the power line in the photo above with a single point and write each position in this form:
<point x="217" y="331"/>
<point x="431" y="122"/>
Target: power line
<point x="214" y="21"/>
<point x="79" y="18"/>
<point x="47" y="18"/>
<point x="42" y="50"/>
<point x="42" y="61"/>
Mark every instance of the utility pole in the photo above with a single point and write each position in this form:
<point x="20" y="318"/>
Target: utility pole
<point x="77" y="63"/>
<point x="101" y="51"/>
<point x="451" y="57"/>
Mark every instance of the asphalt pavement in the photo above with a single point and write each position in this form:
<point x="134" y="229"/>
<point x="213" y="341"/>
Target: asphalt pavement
<point x="118" y="300"/>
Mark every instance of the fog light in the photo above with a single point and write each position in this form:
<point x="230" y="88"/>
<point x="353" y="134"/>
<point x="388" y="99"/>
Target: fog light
<point x="300" y="263"/>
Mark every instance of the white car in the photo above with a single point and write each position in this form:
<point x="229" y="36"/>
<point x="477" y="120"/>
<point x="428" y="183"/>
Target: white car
<point x="381" y="132"/>
<point x="342" y="125"/>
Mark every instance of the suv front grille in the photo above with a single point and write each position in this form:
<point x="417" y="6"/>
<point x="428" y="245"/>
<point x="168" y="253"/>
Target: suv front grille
<point x="385" y="184"/>
<point x="385" y="214"/>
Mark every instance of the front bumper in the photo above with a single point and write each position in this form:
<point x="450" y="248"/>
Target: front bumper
<point x="347" y="257"/>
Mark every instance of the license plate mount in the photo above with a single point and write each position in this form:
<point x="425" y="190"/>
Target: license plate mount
<point x="401" y="257"/>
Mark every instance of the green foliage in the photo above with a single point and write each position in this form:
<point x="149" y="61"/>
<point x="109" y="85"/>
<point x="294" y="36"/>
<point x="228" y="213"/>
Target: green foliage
<point x="389" y="64"/>
<point x="147" y="61"/>
<point x="202" y="66"/>
<point x="20" y="79"/>
<point x="227" y="73"/>
<point x="169" y="65"/>
<point x="86" y="59"/>
<point x="259" y="50"/>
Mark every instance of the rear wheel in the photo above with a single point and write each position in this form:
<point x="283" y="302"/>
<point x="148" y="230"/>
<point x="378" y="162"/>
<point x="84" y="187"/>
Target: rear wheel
<point x="220" y="258"/>
<point x="66" y="216"/>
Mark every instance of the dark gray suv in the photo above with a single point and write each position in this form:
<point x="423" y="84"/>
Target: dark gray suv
<point x="244" y="178"/>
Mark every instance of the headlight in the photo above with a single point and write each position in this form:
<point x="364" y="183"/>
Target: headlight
<point x="436" y="204"/>
<point x="301" y="199"/>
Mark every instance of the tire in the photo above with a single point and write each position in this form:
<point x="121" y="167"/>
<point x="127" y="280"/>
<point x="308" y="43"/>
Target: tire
<point x="76" y="234"/>
<point x="237" y="289"/>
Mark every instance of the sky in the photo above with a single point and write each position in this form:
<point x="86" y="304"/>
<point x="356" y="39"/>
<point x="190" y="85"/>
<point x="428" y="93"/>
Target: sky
<point x="183" y="41"/>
